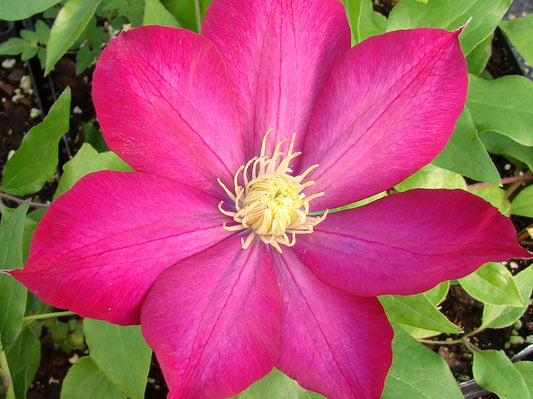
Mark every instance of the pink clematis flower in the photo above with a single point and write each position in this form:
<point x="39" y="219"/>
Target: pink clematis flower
<point x="236" y="135"/>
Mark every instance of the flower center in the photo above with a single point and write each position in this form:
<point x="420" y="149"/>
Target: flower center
<point x="270" y="202"/>
<point x="273" y="205"/>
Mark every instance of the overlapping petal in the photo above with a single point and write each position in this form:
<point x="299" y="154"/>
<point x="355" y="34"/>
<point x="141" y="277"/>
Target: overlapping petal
<point x="331" y="342"/>
<point x="101" y="245"/>
<point x="408" y="242"/>
<point x="277" y="53"/>
<point x="165" y="105"/>
<point x="386" y="109"/>
<point x="213" y="321"/>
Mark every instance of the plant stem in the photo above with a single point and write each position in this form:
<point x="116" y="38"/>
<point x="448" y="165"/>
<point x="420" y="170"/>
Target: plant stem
<point x="524" y="234"/>
<point x="473" y="332"/>
<point x="20" y="201"/>
<point x="47" y="316"/>
<point x="512" y="189"/>
<point x="434" y="342"/>
<point x="471" y="347"/>
<point x="505" y="180"/>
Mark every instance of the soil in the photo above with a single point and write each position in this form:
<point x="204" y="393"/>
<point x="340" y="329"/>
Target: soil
<point x="19" y="112"/>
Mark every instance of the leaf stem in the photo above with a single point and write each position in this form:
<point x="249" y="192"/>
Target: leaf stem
<point x="463" y="340"/>
<point x="47" y="316"/>
<point x="20" y="201"/>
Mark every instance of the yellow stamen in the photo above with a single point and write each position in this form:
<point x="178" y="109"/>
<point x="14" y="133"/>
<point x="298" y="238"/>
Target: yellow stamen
<point x="270" y="203"/>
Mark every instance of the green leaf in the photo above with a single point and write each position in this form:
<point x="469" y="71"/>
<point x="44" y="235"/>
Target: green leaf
<point x="451" y="15"/>
<point x="11" y="234"/>
<point x="15" y="46"/>
<point x="24" y="357"/>
<point x="417" y="311"/>
<point x="520" y="32"/>
<point x="50" y="13"/>
<point x="21" y="9"/>
<point x="121" y="354"/>
<point x="93" y="136"/>
<point x="134" y="12"/>
<point x="276" y="385"/>
<point x="85" y="380"/>
<point x="417" y="372"/>
<point x="495" y="372"/>
<point x="364" y="21"/>
<point x="12" y="307"/>
<point x="68" y="26"/>
<point x="435" y="295"/>
<point x="30" y="224"/>
<point x="187" y="12"/>
<point x="84" y="58"/>
<point x="43" y="31"/>
<point x="36" y="159"/>
<point x="28" y="53"/>
<point x="497" y="143"/>
<point x="499" y="316"/>
<point x="492" y="283"/>
<point x="417" y="332"/>
<point x="466" y="155"/>
<point x="156" y="14"/>
<point x="86" y="161"/>
<point x="523" y="203"/>
<point x="495" y="196"/>
<point x="479" y="56"/>
<point x="29" y="36"/>
<point x="95" y="34"/>
<point x="41" y="55"/>
<point x="526" y="371"/>
<point x="512" y="117"/>
<point x="431" y="176"/>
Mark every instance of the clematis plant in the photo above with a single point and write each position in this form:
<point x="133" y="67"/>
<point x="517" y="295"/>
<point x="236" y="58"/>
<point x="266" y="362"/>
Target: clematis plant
<point x="224" y="244"/>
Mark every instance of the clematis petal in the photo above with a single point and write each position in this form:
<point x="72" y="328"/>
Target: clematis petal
<point x="213" y="321"/>
<point x="101" y="245"/>
<point x="277" y="53"/>
<point x="165" y="105"/>
<point x="408" y="242"/>
<point x="386" y="109"/>
<point x="332" y="342"/>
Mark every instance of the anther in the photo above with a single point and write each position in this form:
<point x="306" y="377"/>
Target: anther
<point x="270" y="203"/>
